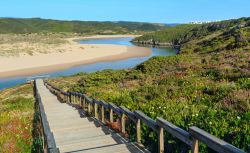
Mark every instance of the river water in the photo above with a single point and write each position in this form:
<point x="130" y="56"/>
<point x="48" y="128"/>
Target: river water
<point x="120" y="64"/>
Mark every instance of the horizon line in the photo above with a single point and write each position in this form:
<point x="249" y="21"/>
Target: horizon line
<point x="115" y="20"/>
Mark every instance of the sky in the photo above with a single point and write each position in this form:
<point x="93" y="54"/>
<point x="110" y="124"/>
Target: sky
<point x="157" y="11"/>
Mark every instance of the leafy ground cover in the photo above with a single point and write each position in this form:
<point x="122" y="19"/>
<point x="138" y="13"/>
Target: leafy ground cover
<point x="18" y="124"/>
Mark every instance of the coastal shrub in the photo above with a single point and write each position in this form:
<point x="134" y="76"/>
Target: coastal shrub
<point x="243" y="83"/>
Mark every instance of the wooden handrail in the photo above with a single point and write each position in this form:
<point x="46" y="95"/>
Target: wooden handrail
<point x="213" y="142"/>
<point x="115" y="109"/>
<point x="175" y="131"/>
<point x="104" y="104"/>
<point x="191" y="137"/>
<point x="129" y="114"/>
<point x="147" y="120"/>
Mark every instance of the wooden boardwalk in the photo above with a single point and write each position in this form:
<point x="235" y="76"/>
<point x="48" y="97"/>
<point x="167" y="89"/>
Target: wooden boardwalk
<point x="75" y="132"/>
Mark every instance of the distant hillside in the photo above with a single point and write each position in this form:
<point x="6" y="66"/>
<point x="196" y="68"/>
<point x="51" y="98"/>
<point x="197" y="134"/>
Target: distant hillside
<point x="167" y="36"/>
<point x="181" y="34"/>
<point x="17" y="25"/>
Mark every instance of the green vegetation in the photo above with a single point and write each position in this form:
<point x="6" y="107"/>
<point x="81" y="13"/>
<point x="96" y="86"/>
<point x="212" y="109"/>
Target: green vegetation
<point x="18" y="127"/>
<point x="206" y="85"/>
<point x="170" y="34"/>
<point x="37" y="25"/>
<point x="181" y="34"/>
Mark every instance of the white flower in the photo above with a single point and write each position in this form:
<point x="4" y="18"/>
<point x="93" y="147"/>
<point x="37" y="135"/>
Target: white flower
<point x="238" y="117"/>
<point x="210" y="123"/>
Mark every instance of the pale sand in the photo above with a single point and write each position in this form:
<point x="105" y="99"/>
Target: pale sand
<point x="75" y="54"/>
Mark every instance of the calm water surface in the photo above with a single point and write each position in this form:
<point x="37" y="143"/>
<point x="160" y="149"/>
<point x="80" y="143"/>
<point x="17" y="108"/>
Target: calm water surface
<point x="121" y="64"/>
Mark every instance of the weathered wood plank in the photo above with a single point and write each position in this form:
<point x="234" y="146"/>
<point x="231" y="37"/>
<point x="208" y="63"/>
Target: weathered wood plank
<point x="175" y="131"/>
<point x="212" y="141"/>
<point x="129" y="114"/>
<point x="147" y="120"/>
<point x="115" y="108"/>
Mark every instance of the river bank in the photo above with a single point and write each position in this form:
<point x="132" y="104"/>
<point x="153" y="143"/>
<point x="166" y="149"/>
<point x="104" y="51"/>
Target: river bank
<point x="74" y="54"/>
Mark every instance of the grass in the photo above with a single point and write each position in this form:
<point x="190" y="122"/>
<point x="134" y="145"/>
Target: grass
<point x="17" y="133"/>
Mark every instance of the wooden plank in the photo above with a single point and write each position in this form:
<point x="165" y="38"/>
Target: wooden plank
<point x="103" y="103"/>
<point x="103" y="114"/>
<point x="49" y="137"/>
<point x="175" y="131"/>
<point x="89" y="100"/>
<point x="195" y="146"/>
<point x="123" y="124"/>
<point x="147" y="120"/>
<point x="161" y="140"/>
<point x="96" y="110"/>
<point x="212" y="141"/>
<point x="115" y="109"/>
<point x="111" y="117"/>
<point x="138" y="131"/>
<point x="128" y="113"/>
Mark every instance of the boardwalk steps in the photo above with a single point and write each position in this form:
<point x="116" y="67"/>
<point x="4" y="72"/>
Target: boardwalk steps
<point x="74" y="131"/>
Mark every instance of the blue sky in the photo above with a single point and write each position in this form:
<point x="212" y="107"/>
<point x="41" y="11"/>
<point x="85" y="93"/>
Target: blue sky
<point x="160" y="11"/>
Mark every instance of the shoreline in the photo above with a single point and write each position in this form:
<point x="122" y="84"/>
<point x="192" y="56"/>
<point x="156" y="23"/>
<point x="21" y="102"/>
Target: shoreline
<point x="91" y="53"/>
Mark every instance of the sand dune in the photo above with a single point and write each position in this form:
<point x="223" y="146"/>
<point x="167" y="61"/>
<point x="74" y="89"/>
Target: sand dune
<point x="75" y="54"/>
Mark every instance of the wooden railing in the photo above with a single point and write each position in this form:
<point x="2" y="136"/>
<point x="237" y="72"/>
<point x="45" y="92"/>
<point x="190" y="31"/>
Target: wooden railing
<point x="49" y="145"/>
<point x="191" y="137"/>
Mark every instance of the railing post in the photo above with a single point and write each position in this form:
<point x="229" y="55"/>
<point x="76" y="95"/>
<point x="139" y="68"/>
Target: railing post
<point x="96" y="108"/>
<point x="70" y="97"/>
<point x="63" y="97"/>
<point x="103" y="115"/>
<point x="80" y="100"/>
<point x="195" y="146"/>
<point x="123" y="123"/>
<point x="161" y="140"/>
<point x="83" y="102"/>
<point x="93" y="109"/>
<point x="111" y="119"/>
<point x="138" y="131"/>
<point x="74" y="99"/>
<point x="89" y="108"/>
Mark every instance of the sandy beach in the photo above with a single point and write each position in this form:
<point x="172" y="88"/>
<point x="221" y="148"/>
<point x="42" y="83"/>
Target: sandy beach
<point x="74" y="54"/>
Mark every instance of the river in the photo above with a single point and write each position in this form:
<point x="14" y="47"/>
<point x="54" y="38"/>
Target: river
<point x="121" y="64"/>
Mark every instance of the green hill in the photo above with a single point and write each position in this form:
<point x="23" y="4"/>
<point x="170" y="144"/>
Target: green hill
<point x="17" y="25"/>
<point x="180" y="34"/>
<point x="206" y="85"/>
